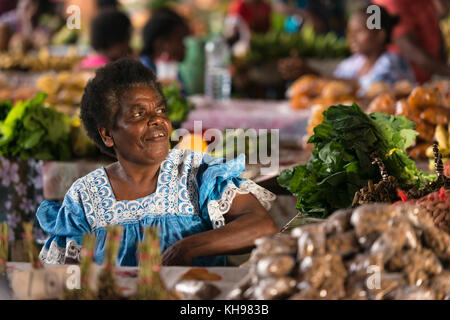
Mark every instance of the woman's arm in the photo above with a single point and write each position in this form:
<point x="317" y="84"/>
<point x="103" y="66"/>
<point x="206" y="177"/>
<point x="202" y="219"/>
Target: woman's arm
<point x="412" y="51"/>
<point x="246" y="221"/>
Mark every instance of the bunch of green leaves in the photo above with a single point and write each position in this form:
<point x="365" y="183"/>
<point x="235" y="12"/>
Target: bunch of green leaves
<point x="31" y="130"/>
<point x="179" y="106"/>
<point x="340" y="164"/>
<point x="306" y="43"/>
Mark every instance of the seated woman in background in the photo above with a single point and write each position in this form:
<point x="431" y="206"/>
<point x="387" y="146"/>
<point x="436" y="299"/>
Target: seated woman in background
<point x="370" y="62"/>
<point x="204" y="210"/>
<point x="110" y="38"/>
<point x="163" y="38"/>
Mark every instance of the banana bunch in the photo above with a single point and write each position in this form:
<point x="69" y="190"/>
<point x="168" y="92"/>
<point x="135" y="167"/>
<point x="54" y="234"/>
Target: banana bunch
<point x="442" y="136"/>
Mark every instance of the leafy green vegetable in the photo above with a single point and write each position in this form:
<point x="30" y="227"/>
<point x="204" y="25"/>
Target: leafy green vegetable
<point x="279" y="44"/>
<point x="179" y="106"/>
<point x="31" y="130"/>
<point x="340" y="164"/>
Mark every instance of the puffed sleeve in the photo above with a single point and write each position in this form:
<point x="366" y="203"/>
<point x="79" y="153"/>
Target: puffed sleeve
<point x="66" y="224"/>
<point x="219" y="182"/>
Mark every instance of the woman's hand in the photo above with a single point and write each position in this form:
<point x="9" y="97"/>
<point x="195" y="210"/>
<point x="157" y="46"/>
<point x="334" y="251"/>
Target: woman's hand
<point x="177" y="255"/>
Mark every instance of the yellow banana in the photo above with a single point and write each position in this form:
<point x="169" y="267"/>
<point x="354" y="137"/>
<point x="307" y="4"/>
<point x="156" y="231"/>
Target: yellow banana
<point x="441" y="135"/>
<point x="430" y="154"/>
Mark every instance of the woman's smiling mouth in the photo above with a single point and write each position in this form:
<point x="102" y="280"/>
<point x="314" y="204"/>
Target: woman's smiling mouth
<point x="156" y="136"/>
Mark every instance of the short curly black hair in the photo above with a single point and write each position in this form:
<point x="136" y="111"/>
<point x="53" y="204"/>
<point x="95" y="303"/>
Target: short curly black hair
<point x="162" y="24"/>
<point x="100" y="102"/>
<point x="111" y="26"/>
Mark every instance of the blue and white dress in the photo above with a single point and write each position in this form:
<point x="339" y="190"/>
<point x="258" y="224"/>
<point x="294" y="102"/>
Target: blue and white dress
<point x="193" y="192"/>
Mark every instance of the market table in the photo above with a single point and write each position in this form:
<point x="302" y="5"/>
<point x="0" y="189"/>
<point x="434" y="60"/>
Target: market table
<point x="247" y="113"/>
<point x="126" y="277"/>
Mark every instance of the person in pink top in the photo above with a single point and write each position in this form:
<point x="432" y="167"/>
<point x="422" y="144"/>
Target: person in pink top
<point x="418" y="36"/>
<point x="110" y="37"/>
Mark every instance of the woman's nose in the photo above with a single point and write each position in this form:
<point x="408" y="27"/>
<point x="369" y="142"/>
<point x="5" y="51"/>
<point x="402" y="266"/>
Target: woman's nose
<point x="154" y="120"/>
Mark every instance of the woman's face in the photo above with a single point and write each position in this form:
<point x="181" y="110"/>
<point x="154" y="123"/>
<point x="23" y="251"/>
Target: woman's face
<point x="142" y="129"/>
<point x="177" y="49"/>
<point x="362" y="40"/>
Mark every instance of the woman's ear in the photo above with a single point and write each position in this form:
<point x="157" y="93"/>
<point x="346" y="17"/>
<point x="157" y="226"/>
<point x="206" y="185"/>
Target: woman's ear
<point x="106" y="137"/>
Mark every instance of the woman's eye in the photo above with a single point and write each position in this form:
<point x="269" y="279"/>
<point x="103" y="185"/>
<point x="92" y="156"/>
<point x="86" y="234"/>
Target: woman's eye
<point x="161" y="110"/>
<point x="138" y="114"/>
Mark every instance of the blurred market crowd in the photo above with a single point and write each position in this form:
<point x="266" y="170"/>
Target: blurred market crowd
<point x="266" y="45"/>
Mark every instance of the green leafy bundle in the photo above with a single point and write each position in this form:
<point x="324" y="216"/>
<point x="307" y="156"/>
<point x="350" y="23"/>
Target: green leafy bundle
<point x="31" y="130"/>
<point x="306" y="43"/>
<point x="179" y="106"/>
<point x="340" y="164"/>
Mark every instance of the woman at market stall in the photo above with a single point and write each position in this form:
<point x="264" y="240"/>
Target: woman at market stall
<point x="163" y="37"/>
<point x="110" y="38"/>
<point x="370" y="62"/>
<point x="202" y="207"/>
<point x="418" y="36"/>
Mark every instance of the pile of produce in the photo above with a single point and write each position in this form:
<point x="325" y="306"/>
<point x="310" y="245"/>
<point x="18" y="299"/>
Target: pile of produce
<point x="374" y="252"/>
<point x="310" y="90"/>
<point x="306" y="43"/>
<point x="31" y="130"/>
<point x="64" y="90"/>
<point x="342" y="161"/>
<point x="428" y="106"/>
<point x="43" y="61"/>
<point x="437" y="205"/>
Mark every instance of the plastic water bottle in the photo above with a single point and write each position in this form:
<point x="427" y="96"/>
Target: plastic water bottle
<point x="217" y="73"/>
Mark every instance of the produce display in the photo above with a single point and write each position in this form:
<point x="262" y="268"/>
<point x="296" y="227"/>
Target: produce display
<point x="32" y="130"/>
<point x="428" y="106"/>
<point x="310" y="90"/>
<point x="305" y="43"/>
<point x="64" y="90"/>
<point x="341" y="163"/>
<point x="374" y="252"/>
<point x="42" y="61"/>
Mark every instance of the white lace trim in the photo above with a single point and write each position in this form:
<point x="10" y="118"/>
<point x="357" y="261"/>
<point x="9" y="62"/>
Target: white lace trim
<point x="58" y="255"/>
<point x="176" y="193"/>
<point x="218" y="208"/>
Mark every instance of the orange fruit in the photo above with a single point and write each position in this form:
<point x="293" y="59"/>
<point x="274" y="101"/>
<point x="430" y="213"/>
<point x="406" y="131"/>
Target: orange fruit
<point x="192" y="142"/>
